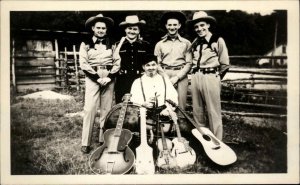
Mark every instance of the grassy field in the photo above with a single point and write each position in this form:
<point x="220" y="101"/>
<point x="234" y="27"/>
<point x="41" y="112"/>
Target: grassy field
<point x="45" y="141"/>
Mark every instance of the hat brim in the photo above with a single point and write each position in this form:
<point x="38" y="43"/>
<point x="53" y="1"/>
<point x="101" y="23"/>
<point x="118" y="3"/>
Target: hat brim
<point x="175" y="15"/>
<point x="92" y="20"/>
<point x="140" y="23"/>
<point x="208" y="19"/>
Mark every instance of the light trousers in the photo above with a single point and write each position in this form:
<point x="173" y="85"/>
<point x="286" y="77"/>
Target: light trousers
<point x="181" y="87"/>
<point x="206" y="97"/>
<point x="96" y="96"/>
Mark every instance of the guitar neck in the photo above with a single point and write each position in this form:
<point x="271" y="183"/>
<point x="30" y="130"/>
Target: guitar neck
<point x="143" y="126"/>
<point x="119" y="126"/>
<point x="186" y="116"/>
<point x="164" y="142"/>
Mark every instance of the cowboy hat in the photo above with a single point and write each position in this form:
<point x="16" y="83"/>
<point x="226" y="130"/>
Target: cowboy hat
<point x="99" y="18"/>
<point x="175" y="15"/>
<point x="201" y="16"/>
<point x="132" y="20"/>
<point x="149" y="58"/>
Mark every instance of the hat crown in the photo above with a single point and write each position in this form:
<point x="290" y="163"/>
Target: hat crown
<point x="99" y="15"/>
<point x="132" y="19"/>
<point x="200" y="14"/>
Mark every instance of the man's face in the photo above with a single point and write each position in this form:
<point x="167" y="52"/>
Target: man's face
<point x="99" y="29"/>
<point x="172" y="26"/>
<point x="132" y="32"/>
<point x="150" y="68"/>
<point x="201" y="28"/>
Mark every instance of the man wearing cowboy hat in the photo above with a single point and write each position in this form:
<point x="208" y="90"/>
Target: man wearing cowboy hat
<point x="129" y="54"/>
<point x="210" y="63"/>
<point x="173" y="56"/>
<point x="96" y="61"/>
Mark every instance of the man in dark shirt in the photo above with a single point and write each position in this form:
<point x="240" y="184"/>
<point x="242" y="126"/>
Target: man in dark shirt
<point x="129" y="54"/>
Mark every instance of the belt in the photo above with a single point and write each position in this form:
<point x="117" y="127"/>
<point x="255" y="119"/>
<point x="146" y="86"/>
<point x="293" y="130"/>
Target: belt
<point x="173" y="67"/>
<point x="205" y="70"/>
<point x="96" y="68"/>
<point x="131" y="72"/>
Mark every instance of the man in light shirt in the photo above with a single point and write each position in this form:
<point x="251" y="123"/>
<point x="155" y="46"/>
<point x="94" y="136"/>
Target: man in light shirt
<point x="151" y="85"/>
<point x="173" y="55"/>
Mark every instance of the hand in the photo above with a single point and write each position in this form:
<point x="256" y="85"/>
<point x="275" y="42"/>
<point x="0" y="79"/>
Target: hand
<point x="165" y="112"/>
<point x="150" y="103"/>
<point x="174" y="80"/>
<point x="104" y="81"/>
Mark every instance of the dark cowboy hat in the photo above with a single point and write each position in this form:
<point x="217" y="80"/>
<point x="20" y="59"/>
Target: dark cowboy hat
<point x="201" y="16"/>
<point x="175" y="15"/>
<point x="99" y="18"/>
<point x="149" y="58"/>
<point x="132" y="20"/>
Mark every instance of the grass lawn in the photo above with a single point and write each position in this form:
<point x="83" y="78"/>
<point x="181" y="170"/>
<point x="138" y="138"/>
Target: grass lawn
<point x="44" y="141"/>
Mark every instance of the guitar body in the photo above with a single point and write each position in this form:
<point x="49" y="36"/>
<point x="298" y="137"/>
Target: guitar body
<point x="144" y="160"/>
<point x="165" y="159"/>
<point x="144" y="153"/>
<point x="215" y="149"/>
<point x="104" y="161"/>
<point x="183" y="153"/>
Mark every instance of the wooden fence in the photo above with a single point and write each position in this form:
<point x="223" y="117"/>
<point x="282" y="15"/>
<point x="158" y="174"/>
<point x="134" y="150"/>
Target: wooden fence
<point x="41" y="68"/>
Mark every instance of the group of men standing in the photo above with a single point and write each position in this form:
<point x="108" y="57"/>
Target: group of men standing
<point x="131" y="66"/>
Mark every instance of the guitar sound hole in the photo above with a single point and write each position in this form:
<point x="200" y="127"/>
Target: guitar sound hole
<point x="206" y="137"/>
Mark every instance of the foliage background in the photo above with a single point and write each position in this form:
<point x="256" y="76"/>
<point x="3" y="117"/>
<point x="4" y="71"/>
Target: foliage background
<point x="244" y="33"/>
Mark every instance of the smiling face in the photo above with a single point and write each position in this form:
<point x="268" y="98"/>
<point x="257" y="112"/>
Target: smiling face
<point x="150" y="68"/>
<point x="99" y="29"/>
<point x="173" y="25"/>
<point x="132" y="32"/>
<point x="202" y="28"/>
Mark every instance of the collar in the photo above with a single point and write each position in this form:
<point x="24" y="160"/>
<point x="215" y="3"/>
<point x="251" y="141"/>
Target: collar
<point x="137" y="40"/>
<point x="95" y="38"/>
<point x="167" y="37"/>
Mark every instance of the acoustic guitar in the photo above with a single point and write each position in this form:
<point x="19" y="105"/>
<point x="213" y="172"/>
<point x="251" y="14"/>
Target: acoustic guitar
<point x="165" y="159"/>
<point x="144" y="153"/>
<point x="215" y="149"/>
<point x="183" y="153"/>
<point x="114" y="156"/>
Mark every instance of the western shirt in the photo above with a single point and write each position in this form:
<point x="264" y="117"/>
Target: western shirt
<point x="174" y="52"/>
<point x="130" y="56"/>
<point x="214" y="56"/>
<point x="97" y="55"/>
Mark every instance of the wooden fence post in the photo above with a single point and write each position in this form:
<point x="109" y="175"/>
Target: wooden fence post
<point x="13" y="66"/>
<point x="76" y="69"/>
<point x="57" y="64"/>
<point x="65" y="68"/>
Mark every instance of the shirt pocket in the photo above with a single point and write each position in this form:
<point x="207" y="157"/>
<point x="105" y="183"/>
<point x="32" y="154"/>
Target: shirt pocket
<point x="141" y="51"/>
<point x="123" y="51"/>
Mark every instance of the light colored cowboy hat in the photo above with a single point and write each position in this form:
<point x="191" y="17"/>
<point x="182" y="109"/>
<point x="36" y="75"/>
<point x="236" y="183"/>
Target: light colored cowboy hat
<point x="201" y="16"/>
<point x="132" y="20"/>
<point x="175" y="15"/>
<point x="99" y="18"/>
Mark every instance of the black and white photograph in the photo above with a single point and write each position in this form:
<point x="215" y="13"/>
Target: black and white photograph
<point x="140" y="92"/>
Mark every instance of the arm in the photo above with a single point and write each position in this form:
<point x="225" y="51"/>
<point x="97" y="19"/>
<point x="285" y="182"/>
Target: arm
<point x="84" y="65"/>
<point x="223" y="57"/>
<point x="188" y="62"/>
<point x="116" y="59"/>
<point x="158" y="54"/>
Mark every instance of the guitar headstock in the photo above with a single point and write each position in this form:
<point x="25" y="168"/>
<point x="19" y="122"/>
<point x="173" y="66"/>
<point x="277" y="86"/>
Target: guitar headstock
<point x="126" y="97"/>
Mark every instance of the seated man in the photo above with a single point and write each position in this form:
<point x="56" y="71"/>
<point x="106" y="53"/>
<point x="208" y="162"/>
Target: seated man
<point x="152" y="88"/>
